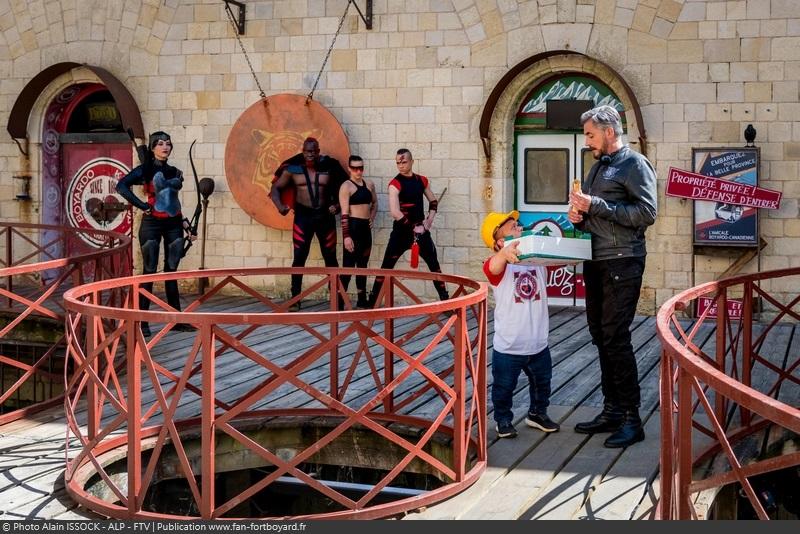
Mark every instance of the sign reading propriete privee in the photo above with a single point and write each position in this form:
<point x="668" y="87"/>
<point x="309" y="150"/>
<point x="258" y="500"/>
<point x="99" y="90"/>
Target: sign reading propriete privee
<point x="734" y="307"/>
<point x="687" y="184"/>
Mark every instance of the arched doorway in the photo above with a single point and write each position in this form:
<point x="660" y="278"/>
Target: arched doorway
<point x="537" y="148"/>
<point x="82" y="121"/>
<point x="84" y="153"/>
<point x="549" y="154"/>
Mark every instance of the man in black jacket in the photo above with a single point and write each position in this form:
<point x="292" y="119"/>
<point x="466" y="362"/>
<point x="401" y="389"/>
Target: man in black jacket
<point x="616" y="204"/>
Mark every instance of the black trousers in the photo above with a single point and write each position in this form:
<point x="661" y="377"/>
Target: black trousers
<point x="612" y="292"/>
<point x="400" y="240"/>
<point x="151" y="232"/>
<point x="309" y="222"/>
<point x="361" y="234"/>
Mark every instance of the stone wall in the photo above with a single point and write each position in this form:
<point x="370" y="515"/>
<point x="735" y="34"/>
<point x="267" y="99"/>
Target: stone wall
<point x="701" y="71"/>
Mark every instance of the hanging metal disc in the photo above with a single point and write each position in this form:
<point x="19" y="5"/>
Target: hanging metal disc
<point x="265" y="135"/>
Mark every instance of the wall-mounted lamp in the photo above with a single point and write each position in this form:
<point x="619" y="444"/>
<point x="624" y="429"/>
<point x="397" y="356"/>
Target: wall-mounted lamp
<point x="22" y="187"/>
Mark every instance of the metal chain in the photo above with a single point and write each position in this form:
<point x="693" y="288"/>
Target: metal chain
<point x="246" y="57"/>
<point x="328" y="55"/>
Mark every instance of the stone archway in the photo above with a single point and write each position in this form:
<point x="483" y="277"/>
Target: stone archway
<point x="39" y="122"/>
<point x="18" y="119"/>
<point x="496" y="125"/>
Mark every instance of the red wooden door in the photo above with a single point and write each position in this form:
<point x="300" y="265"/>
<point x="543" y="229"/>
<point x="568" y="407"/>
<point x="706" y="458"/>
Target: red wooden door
<point x="90" y="201"/>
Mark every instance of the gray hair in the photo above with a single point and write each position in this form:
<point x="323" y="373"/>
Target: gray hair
<point x="604" y="117"/>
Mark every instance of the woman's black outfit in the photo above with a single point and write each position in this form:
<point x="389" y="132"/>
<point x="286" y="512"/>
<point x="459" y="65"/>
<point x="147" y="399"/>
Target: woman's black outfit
<point x="361" y="234"/>
<point x="161" y="183"/>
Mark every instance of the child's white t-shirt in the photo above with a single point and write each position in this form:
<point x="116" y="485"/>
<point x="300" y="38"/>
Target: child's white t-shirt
<point x="521" y="321"/>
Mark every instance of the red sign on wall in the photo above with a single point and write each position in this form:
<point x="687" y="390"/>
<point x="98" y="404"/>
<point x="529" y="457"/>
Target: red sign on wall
<point x="687" y="184"/>
<point x="92" y="202"/>
<point x="707" y="303"/>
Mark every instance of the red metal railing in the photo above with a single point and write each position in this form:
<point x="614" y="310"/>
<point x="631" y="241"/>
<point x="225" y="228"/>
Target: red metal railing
<point x="33" y="279"/>
<point x="419" y="366"/>
<point x="711" y="400"/>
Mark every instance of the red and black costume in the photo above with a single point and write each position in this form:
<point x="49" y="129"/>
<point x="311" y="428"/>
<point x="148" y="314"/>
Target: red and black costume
<point x="157" y="225"/>
<point x="411" y="192"/>
<point x="359" y="231"/>
<point x="317" y="218"/>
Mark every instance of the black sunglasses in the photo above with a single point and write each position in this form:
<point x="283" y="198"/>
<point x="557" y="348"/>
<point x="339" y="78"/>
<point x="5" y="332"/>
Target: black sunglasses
<point x="359" y="168"/>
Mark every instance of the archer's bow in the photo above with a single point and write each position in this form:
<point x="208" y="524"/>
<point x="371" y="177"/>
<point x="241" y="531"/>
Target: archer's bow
<point x="144" y="154"/>
<point x="195" y="220"/>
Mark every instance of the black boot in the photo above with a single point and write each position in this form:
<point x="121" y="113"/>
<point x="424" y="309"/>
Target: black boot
<point x="362" y="300"/>
<point x="629" y="433"/>
<point x="443" y="294"/>
<point x="146" y="330"/>
<point x="609" y="420"/>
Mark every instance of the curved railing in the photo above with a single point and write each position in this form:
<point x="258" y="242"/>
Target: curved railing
<point x="409" y="376"/>
<point x="33" y="278"/>
<point x="712" y="399"/>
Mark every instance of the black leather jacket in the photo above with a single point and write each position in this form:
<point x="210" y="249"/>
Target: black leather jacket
<point x="624" y="204"/>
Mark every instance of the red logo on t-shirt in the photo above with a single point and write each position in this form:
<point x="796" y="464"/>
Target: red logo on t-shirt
<point x="525" y="286"/>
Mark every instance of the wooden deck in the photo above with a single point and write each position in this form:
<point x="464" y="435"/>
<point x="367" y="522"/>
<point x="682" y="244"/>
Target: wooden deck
<point x="564" y="475"/>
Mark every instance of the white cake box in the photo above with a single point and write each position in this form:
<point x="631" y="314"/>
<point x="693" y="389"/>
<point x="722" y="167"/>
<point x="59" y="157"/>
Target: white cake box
<point x="552" y="250"/>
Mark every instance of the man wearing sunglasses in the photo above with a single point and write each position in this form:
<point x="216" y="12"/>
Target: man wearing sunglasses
<point x="316" y="180"/>
<point x="359" y="204"/>
<point x="406" y="193"/>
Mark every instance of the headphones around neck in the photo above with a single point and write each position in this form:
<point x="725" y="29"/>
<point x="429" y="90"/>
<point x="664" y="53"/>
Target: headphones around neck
<point x="605" y="159"/>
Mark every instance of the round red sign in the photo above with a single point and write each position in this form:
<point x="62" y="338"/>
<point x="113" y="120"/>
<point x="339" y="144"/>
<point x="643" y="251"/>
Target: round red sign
<point x="266" y="134"/>
<point x="93" y="202"/>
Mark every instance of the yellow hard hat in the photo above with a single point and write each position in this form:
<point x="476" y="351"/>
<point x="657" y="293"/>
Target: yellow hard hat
<point x="492" y="222"/>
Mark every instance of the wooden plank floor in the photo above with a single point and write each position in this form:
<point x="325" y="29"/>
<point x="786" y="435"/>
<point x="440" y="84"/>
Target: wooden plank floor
<point x="535" y="476"/>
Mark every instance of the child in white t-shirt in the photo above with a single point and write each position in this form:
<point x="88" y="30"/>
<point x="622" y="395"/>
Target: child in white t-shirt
<point x="521" y="325"/>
